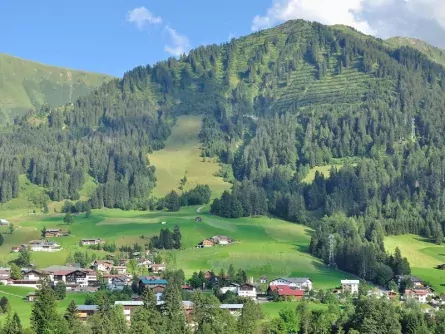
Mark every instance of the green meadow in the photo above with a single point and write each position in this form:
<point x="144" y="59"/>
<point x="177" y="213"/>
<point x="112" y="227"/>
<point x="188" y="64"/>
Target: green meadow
<point x="16" y="296"/>
<point x="264" y="246"/>
<point x="181" y="157"/>
<point x="423" y="257"/>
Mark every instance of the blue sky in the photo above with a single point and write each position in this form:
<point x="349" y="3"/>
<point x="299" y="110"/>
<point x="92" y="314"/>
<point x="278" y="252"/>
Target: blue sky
<point x="116" y="35"/>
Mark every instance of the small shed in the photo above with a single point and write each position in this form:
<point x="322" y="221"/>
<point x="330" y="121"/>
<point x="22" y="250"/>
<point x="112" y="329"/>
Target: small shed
<point x="31" y="296"/>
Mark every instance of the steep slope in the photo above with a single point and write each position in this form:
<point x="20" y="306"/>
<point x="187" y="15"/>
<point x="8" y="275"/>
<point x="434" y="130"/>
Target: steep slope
<point x="26" y="85"/>
<point x="435" y="54"/>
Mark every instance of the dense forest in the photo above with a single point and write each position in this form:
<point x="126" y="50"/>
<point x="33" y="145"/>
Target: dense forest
<point x="274" y="104"/>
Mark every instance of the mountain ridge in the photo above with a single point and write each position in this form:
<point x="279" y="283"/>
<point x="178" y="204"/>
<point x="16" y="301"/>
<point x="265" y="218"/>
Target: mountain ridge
<point x="27" y="84"/>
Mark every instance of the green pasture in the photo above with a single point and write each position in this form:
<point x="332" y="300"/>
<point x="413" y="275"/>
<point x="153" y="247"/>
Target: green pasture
<point x="272" y="310"/>
<point x="423" y="257"/>
<point x="182" y="156"/>
<point x="16" y="296"/>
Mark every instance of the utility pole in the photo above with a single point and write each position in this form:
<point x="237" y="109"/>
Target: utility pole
<point x="332" y="251"/>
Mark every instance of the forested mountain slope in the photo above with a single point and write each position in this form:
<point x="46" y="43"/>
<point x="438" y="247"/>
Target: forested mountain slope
<point x="26" y="85"/>
<point x="274" y="104"/>
<point x="434" y="53"/>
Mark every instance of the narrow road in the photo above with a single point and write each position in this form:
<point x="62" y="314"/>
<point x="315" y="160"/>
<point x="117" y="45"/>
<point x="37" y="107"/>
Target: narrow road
<point x="199" y="209"/>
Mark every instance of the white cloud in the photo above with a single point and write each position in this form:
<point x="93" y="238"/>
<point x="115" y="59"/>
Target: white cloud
<point x="142" y="16"/>
<point x="417" y="18"/>
<point x="178" y="45"/>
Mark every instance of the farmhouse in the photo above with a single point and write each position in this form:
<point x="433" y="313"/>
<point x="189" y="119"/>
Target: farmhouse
<point x="35" y="275"/>
<point x="88" y="242"/>
<point x="120" y="269"/>
<point x="4" y="222"/>
<point x="207" y="243"/>
<point x="129" y="307"/>
<point x="158" y="267"/>
<point x="71" y="277"/>
<point x="152" y="283"/>
<point x="42" y="246"/>
<point x="247" y="290"/>
<point x="350" y="285"/>
<point x="234" y="309"/>
<point x="302" y="283"/>
<point x="15" y="249"/>
<point x="31" y="296"/>
<point x="418" y="294"/>
<point x="103" y="265"/>
<point x="233" y="287"/>
<point x="221" y="240"/>
<point x="86" y="311"/>
<point x="52" y="233"/>
<point x="286" y="291"/>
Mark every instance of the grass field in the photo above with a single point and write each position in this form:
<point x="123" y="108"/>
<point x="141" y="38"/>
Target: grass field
<point x="423" y="257"/>
<point x="16" y="296"/>
<point x="181" y="156"/>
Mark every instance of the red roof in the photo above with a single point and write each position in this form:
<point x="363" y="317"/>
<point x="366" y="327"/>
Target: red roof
<point x="284" y="290"/>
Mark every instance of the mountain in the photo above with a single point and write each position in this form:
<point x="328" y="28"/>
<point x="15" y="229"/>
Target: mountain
<point x="435" y="54"/>
<point x="26" y="85"/>
<point x="274" y="105"/>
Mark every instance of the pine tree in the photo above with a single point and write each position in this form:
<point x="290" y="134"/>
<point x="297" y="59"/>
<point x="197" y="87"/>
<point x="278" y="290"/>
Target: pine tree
<point x="44" y="316"/>
<point x="177" y="237"/>
<point x="173" y="310"/>
<point x="248" y="321"/>
<point x="13" y="325"/>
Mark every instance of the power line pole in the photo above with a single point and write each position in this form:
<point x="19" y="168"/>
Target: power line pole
<point x="332" y="251"/>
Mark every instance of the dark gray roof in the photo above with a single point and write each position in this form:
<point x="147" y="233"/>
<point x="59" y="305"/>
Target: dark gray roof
<point x="87" y="307"/>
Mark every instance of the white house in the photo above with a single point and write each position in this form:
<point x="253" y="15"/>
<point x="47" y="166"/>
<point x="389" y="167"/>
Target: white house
<point x="418" y="294"/>
<point x="298" y="283"/>
<point x="4" y="222"/>
<point x="247" y="290"/>
<point x="128" y="306"/>
<point x="87" y="242"/>
<point x="103" y="265"/>
<point x="43" y="246"/>
<point x="233" y="287"/>
<point x="350" y="285"/>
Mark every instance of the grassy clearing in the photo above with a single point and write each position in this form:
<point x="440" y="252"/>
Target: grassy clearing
<point x="272" y="310"/>
<point x="181" y="156"/>
<point x="325" y="170"/>
<point x="423" y="257"/>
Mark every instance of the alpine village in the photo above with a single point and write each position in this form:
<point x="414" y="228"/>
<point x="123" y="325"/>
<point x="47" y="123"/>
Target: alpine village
<point x="288" y="181"/>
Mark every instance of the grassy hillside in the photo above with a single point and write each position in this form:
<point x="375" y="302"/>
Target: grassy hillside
<point x="435" y="54"/>
<point x="27" y="85"/>
<point x="264" y="246"/>
<point x="423" y="257"/>
<point x="182" y="157"/>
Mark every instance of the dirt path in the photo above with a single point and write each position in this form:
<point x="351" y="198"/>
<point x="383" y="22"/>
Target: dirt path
<point x="11" y="294"/>
<point x="199" y="209"/>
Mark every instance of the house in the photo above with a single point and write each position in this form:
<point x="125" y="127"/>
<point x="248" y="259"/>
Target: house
<point x="233" y="287"/>
<point x="86" y="311"/>
<point x="234" y="309"/>
<point x="286" y="291"/>
<point x="152" y="283"/>
<point x="198" y="220"/>
<point x="103" y="265"/>
<point x="158" y="267"/>
<point x="88" y="242"/>
<point x="263" y="279"/>
<point x="71" y="277"/>
<point x="186" y="288"/>
<point x="208" y="275"/>
<point x="247" y="290"/>
<point x="350" y="285"/>
<point x="129" y="307"/>
<point x="52" y="233"/>
<point x="42" y="246"/>
<point x="120" y="269"/>
<point x="5" y="276"/>
<point x="418" y="294"/>
<point x="31" y="296"/>
<point x="15" y="249"/>
<point x="300" y="283"/>
<point x="158" y="289"/>
<point x="417" y="282"/>
<point x="4" y="222"/>
<point x="207" y="243"/>
<point x="118" y="282"/>
<point x="34" y="275"/>
<point x="391" y="295"/>
<point x="144" y="262"/>
<point x="221" y="240"/>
